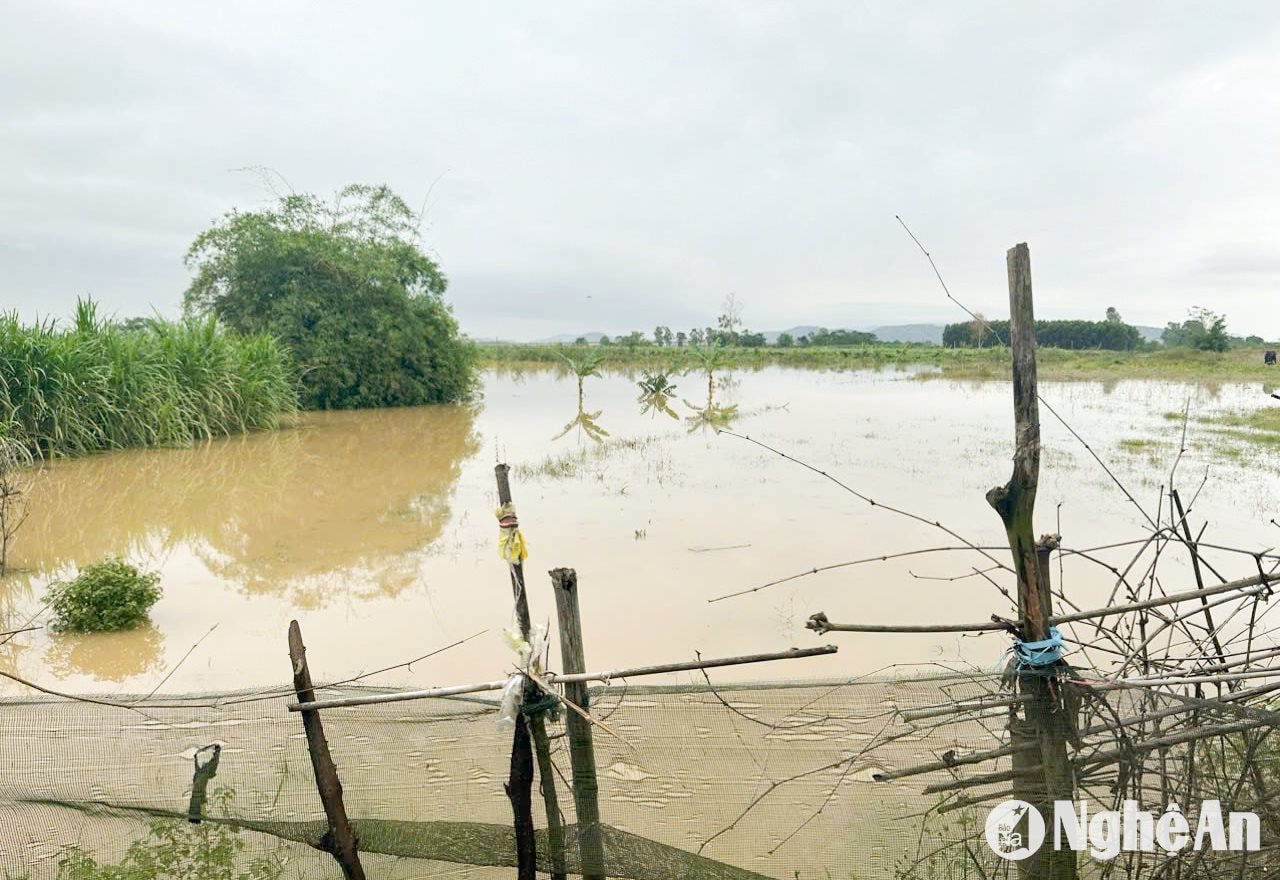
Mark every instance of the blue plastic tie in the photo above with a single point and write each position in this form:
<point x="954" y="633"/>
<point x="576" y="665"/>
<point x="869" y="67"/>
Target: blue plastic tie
<point x="1042" y="653"/>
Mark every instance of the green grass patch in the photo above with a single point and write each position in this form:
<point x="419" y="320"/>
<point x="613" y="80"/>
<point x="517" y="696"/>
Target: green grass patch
<point x="975" y="363"/>
<point x="1267" y="440"/>
<point x="1236" y="435"/>
<point x="1265" y="420"/>
<point x="1137" y="445"/>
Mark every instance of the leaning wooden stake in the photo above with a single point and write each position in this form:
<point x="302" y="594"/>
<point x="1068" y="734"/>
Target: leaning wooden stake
<point x="339" y="841"/>
<point x="582" y="755"/>
<point x="530" y="738"/>
<point x="1015" y="503"/>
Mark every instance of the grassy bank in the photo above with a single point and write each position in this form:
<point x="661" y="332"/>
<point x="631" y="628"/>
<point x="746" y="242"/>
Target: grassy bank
<point x="986" y="363"/>
<point x="94" y="385"/>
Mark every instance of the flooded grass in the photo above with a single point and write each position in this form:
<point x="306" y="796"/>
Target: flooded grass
<point x="1140" y="444"/>
<point x="590" y="460"/>
<point x="1179" y="364"/>
<point x="1237" y="434"/>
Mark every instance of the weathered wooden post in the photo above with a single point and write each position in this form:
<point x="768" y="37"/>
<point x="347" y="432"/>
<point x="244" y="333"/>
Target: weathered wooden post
<point x="339" y="841"/>
<point x="582" y="755"/>
<point x="531" y="732"/>
<point x="1015" y="503"/>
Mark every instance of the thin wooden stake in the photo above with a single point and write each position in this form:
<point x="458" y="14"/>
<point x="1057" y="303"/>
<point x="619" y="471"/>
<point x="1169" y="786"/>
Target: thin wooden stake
<point x="550" y="800"/>
<point x="582" y="754"/>
<point x="519" y="786"/>
<point x="338" y="841"/>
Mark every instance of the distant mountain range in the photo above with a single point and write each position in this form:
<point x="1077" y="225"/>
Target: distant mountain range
<point x="888" y="333"/>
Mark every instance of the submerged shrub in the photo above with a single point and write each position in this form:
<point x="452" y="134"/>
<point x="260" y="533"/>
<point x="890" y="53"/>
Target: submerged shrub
<point x="108" y="595"/>
<point x="348" y="286"/>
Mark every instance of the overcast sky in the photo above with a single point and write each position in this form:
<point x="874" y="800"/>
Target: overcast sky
<point x="612" y="166"/>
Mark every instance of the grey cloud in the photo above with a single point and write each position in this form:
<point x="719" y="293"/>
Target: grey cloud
<point x="654" y="157"/>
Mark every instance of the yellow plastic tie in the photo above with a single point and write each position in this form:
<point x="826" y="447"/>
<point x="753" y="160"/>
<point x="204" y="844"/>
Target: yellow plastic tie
<point x="511" y="543"/>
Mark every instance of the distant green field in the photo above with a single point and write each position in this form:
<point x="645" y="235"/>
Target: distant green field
<point x="1243" y="364"/>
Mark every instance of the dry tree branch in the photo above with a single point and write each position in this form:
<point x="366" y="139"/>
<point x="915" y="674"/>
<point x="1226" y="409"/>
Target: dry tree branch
<point x="778" y="783"/>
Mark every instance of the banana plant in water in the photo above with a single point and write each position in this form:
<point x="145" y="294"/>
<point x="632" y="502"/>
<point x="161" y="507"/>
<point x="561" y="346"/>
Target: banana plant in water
<point x="655" y="395"/>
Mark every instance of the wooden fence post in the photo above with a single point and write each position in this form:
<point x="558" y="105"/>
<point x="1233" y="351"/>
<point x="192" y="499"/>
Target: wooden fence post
<point x="338" y="841"/>
<point x="582" y="754"/>
<point x="1015" y="503"/>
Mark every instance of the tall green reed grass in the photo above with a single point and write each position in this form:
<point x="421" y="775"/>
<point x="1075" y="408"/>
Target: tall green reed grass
<point x="95" y="385"/>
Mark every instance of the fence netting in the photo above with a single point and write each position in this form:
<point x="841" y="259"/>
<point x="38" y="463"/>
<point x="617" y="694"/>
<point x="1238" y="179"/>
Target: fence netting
<point x="784" y="781"/>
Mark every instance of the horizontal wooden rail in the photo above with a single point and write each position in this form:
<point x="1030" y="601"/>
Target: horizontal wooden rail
<point x="552" y="678"/>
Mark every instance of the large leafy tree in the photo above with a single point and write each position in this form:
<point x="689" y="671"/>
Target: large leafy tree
<point x="347" y="285"/>
<point x="1203" y="329"/>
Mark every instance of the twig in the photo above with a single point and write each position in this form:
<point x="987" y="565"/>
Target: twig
<point x="73" y="697"/>
<point x="408" y="664"/>
<point x="837" y="565"/>
<point x="861" y="497"/>
<point x="1247" y="587"/>
<point x="712" y="549"/>
<point x="821" y="625"/>
<point x="26" y="623"/>
<point x="174" y="669"/>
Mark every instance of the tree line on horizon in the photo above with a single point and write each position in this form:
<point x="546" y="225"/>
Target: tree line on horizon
<point x="1203" y="330"/>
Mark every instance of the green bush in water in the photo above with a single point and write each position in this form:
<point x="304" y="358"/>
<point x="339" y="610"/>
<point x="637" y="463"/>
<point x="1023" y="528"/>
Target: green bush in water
<point x="105" y="596"/>
<point x="349" y="287"/>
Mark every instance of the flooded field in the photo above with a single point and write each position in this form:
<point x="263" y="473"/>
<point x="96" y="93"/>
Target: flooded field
<point x="376" y="529"/>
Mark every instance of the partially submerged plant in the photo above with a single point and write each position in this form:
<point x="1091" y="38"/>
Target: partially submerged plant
<point x="709" y="356"/>
<point x="108" y="595"/>
<point x="585" y="366"/>
<point x="712" y="415"/>
<point x="656" y="383"/>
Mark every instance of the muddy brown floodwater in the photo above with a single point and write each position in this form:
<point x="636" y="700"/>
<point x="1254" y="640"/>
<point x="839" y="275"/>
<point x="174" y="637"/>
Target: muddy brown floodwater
<point x="376" y="529"/>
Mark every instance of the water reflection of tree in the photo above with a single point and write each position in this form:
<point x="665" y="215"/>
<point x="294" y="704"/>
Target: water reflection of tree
<point x="346" y="496"/>
<point x="106" y="656"/>
<point x="711" y="414"/>
<point x="657" y="402"/>
<point x="585" y="421"/>
<point x="656" y="391"/>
